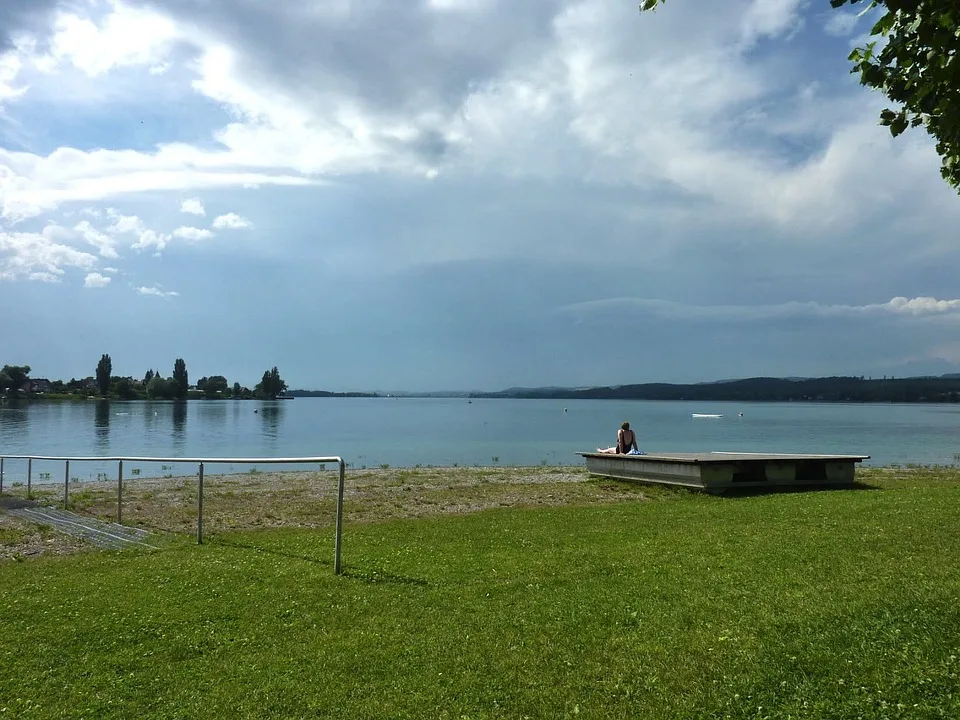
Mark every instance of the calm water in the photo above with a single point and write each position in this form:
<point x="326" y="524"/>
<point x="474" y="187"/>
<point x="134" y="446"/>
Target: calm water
<point x="410" y="431"/>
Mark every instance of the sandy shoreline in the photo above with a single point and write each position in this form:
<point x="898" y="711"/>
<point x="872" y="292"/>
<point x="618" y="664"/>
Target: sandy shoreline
<point x="256" y="500"/>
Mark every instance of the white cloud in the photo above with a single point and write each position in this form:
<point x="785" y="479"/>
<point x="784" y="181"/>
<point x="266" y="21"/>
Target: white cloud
<point x="624" y="307"/>
<point x="157" y="292"/>
<point x="231" y="221"/>
<point x="126" y="36"/>
<point x="124" y="223"/>
<point x="40" y="256"/>
<point x="192" y="233"/>
<point x="33" y="184"/>
<point x="9" y="68"/>
<point x="770" y="18"/>
<point x="840" y="23"/>
<point x="921" y="305"/>
<point x="151" y="238"/>
<point x="193" y="206"/>
<point x="111" y="270"/>
<point x="585" y="90"/>
<point x="105" y="245"/>
<point x="96" y="280"/>
<point x="133" y="225"/>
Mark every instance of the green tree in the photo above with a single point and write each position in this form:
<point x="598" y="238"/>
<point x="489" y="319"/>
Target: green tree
<point x="124" y="389"/>
<point x="104" y="368"/>
<point x="12" y="378"/>
<point x="161" y="389"/>
<point x="181" y="378"/>
<point x="148" y="377"/>
<point x="917" y="67"/>
<point x="270" y="385"/>
<point x="236" y="389"/>
<point x="215" y="384"/>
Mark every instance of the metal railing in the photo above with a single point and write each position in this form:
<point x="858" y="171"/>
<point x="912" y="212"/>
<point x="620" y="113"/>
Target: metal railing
<point x="200" y="462"/>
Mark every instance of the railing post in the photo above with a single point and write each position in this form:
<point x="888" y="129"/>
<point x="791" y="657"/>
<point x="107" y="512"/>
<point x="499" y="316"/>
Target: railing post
<point x="200" y="508"/>
<point x="66" y="485"/>
<point x="29" y="476"/>
<point x="1" y="476"/>
<point x="336" y="559"/>
<point x="120" y="493"/>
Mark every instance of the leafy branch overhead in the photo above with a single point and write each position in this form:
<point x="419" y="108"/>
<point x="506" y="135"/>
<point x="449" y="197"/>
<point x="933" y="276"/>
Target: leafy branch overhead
<point x="915" y="61"/>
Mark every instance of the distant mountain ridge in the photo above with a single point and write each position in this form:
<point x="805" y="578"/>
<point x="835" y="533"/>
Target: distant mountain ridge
<point x="944" y="388"/>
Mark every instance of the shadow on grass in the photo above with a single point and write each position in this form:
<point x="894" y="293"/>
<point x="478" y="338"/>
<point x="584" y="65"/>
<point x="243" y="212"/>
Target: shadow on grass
<point x="268" y="551"/>
<point x="11" y="502"/>
<point x="379" y="576"/>
<point x="794" y="489"/>
<point x="368" y="576"/>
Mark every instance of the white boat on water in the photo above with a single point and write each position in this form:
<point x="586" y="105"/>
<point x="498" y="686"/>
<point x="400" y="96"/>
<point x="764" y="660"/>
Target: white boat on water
<point x="706" y="415"/>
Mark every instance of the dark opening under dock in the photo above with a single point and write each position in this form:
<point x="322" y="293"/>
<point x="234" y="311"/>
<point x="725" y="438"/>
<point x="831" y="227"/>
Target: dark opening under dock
<point x="716" y="472"/>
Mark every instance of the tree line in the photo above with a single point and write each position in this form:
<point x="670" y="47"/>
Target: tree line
<point x="829" y="389"/>
<point x="15" y="381"/>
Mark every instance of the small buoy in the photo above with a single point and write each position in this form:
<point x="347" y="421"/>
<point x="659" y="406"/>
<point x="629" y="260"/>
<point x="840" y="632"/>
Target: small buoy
<point x="564" y="409"/>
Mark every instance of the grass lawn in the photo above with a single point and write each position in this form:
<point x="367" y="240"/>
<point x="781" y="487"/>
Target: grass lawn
<point x="841" y="604"/>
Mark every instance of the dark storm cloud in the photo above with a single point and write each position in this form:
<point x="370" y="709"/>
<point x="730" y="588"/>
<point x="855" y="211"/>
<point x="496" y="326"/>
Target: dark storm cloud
<point x="392" y="55"/>
<point x="19" y="16"/>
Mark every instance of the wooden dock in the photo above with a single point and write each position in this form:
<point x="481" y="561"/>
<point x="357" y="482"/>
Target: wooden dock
<point x="716" y="472"/>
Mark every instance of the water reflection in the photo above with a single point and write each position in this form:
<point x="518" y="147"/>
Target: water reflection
<point x="14" y="419"/>
<point x="179" y="424"/>
<point x="271" y="416"/>
<point x="212" y="412"/>
<point x="101" y="425"/>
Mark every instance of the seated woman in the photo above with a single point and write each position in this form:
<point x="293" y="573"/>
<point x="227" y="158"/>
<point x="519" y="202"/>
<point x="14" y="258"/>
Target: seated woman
<point x="626" y="440"/>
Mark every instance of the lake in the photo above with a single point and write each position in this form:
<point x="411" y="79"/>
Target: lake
<point x="427" y="431"/>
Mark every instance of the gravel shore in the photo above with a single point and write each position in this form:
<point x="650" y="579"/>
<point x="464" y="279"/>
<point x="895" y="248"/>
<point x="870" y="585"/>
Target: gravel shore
<point x="308" y="499"/>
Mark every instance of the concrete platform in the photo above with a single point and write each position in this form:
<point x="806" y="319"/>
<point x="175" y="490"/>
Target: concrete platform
<point x="716" y="472"/>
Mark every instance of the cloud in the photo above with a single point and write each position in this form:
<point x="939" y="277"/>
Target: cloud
<point x="231" y="221"/>
<point x="9" y="68"/>
<point x="840" y="23"/>
<point x="125" y="36"/>
<point x="152" y="238"/>
<point x="156" y="292"/>
<point x="40" y="255"/>
<point x="770" y="18"/>
<point x="192" y="233"/>
<point x="105" y="244"/>
<point x="124" y="223"/>
<point x="133" y="225"/>
<point x="625" y="308"/>
<point x="96" y="280"/>
<point x="920" y="305"/>
<point x="33" y="184"/>
<point x="561" y="89"/>
<point x="20" y="16"/>
<point x="193" y="206"/>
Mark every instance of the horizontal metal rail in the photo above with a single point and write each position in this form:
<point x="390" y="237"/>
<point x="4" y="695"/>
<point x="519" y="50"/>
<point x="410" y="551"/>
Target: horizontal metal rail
<point x="201" y="461"/>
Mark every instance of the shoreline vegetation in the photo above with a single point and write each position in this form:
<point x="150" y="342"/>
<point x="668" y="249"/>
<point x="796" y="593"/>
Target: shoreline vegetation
<point x="493" y="592"/>
<point x="15" y="384"/>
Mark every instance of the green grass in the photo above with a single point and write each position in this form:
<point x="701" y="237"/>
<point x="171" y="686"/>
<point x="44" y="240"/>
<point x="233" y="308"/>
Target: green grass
<point x="841" y="604"/>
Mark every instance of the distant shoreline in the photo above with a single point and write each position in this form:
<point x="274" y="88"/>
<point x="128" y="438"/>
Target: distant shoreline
<point x="943" y="389"/>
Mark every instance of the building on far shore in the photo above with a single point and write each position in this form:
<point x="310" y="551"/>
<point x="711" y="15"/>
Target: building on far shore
<point x="36" y="385"/>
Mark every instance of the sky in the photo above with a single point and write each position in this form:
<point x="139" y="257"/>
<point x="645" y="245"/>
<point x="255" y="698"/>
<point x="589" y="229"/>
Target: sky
<point x="463" y="194"/>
